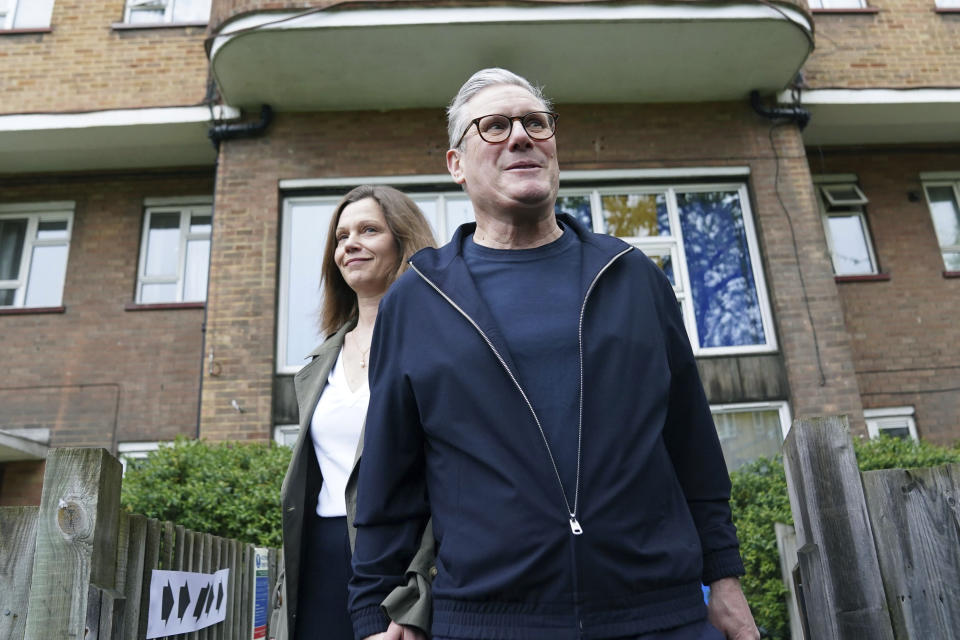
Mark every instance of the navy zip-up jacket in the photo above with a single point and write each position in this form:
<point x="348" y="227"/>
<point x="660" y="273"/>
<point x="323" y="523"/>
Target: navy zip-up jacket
<point x="449" y="432"/>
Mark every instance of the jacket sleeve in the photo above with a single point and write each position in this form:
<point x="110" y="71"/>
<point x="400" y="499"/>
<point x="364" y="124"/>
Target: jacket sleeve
<point x="694" y="447"/>
<point x="392" y="505"/>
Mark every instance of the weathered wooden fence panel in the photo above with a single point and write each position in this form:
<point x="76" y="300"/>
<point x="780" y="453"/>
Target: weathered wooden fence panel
<point x="18" y="529"/>
<point x="916" y="523"/>
<point x="838" y="559"/>
<point x="78" y="567"/>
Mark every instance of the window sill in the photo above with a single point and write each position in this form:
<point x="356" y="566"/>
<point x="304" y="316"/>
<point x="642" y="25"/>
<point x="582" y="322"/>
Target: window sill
<point x="851" y="10"/>
<point x="951" y="274"/>
<point x="867" y="277"/>
<point x="123" y="26"/>
<point x="22" y="311"/>
<point x="162" y="306"/>
<point x="23" y="32"/>
<point x="946" y="10"/>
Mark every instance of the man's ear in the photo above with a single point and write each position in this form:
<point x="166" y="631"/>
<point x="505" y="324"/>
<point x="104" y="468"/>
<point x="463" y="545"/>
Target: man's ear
<point x="454" y="167"/>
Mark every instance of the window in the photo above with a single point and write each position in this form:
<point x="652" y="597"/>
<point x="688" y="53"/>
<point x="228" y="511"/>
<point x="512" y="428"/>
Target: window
<point x="948" y="4"/>
<point x="34" y="244"/>
<point x="943" y="199"/>
<point x="749" y="431"/>
<point x="127" y="451"/>
<point x="845" y="225"/>
<point x="837" y="4"/>
<point x="896" y="422"/>
<point x="286" y="434"/>
<point x="25" y="14"/>
<point x="175" y="252"/>
<point x="702" y="236"/>
<point x="171" y="11"/>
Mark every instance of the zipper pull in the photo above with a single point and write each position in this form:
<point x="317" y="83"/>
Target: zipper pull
<point x="575" y="525"/>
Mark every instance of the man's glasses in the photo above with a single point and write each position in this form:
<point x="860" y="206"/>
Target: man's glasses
<point x="539" y="125"/>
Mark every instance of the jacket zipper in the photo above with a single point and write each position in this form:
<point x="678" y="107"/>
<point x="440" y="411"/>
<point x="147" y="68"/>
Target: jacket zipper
<point x="575" y="527"/>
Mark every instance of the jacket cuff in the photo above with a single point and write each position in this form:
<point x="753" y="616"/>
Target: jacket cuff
<point x="724" y="563"/>
<point x="368" y="621"/>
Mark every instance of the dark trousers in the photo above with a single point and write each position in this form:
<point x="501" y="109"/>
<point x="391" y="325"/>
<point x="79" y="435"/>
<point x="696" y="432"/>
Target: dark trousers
<point x="702" y="630"/>
<point x="324" y="573"/>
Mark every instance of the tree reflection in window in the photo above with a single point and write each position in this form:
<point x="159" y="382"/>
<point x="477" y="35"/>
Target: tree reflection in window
<point x="576" y="206"/>
<point x="636" y="215"/>
<point x="725" y="300"/>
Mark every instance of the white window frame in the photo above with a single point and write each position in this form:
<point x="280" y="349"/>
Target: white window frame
<point x="833" y="206"/>
<point x="36" y="212"/>
<point x="185" y="207"/>
<point x="167" y="5"/>
<point x="879" y="420"/>
<point x="955" y="185"/>
<point x="8" y="16"/>
<point x="837" y="4"/>
<point x="127" y="451"/>
<point x="948" y="4"/>
<point x="286" y="434"/>
<point x="781" y="406"/>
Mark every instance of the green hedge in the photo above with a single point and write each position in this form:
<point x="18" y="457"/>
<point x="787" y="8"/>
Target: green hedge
<point x="759" y="499"/>
<point x="227" y="489"/>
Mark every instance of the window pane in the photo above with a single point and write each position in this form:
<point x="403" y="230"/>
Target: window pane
<point x="308" y="232"/>
<point x="200" y="224"/>
<point x="635" y="215"/>
<point x="7" y="296"/>
<point x="163" y="245"/>
<point x="851" y="255"/>
<point x="48" y="267"/>
<point x="195" y="272"/>
<point x="52" y="230"/>
<point x="459" y="211"/>
<point x="576" y="206"/>
<point x="146" y="16"/>
<point x="158" y="292"/>
<point x="946" y="215"/>
<point x="191" y="10"/>
<point x="725" y="301"/>
<point x="33" y="13"/>
<point x="12" y="235"/>
<point x="951" y="261"/>
<point x="428" y="205"/>
<point x="662" y="259"/>
<point x="747" y="435"/>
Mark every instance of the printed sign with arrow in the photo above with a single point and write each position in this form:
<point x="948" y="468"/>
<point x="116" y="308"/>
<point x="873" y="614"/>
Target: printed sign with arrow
<point x="173" y="592"/>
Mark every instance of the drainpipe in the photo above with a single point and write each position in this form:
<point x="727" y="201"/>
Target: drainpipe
<point x="220" y="132"/>
<point x="794" y="113"/>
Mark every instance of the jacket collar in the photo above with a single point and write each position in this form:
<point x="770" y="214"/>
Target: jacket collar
<point x="311" y="379"/>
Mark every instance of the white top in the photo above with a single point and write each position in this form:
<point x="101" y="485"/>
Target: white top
<point x="335" y="430"/>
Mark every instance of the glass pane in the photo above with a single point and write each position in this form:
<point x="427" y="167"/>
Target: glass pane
<point x="13" y="232"/>
<point x="897" y="432"/>
<point x="163" y="245"/>
<point x="52" y="230"/>
<point x="146" y="16"/>
<point x="459" y="211"/>
<point x="951" y="261"/>
<point x="635" y="215"/>
<point x="158" y="292"/>
<point x="48" y="268"/>
<point x="851" y="255"/>
<point x="308" y="232"/>
<point x="33" y="13"/>
<point x="576" y="206"/>
<point x="200" y="224"/>
<point x="428" y="205"/>
<point x="664" y="261"/>
<point x="7" y="296"/>
<point x="946" y="215"/>
<point x="747" y="435"/>
<point x="191" y="10"/>
<point x="725" y="301"/>
<point x="196" y="270"/>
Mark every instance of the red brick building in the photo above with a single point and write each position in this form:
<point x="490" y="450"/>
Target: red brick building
<point x="154" y="284"/>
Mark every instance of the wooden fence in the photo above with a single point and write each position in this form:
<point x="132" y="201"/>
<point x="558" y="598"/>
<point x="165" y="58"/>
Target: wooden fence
<point x="79" y="568"/>
<point x="878" y="553"/>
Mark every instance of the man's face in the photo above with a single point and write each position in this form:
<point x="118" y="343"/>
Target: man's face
<point x="510" y="176"/>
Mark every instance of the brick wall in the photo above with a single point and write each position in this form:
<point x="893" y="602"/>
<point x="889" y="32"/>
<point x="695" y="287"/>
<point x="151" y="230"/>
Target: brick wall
<point x="85" y="65"/>
<point x="21" y="483"/>
<point x="903" y="331"/>
<point x="904" y="45"/>
<point x="98" y="374"/>
<point x="242" y="303"/>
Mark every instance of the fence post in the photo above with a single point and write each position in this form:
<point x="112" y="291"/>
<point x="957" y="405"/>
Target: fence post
<point x="76" y="541"/>
<point x="834" y="533"/>
<point x="18" y="529"/>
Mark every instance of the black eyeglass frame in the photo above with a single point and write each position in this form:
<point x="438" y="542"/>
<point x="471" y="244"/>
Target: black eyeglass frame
<point x="476" y="122"/>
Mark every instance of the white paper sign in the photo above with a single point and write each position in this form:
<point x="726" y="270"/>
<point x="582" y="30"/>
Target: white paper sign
<point x="182" y="601"/>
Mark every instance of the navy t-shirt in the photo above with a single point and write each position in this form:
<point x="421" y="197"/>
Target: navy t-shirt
<point x="534" y="299"/>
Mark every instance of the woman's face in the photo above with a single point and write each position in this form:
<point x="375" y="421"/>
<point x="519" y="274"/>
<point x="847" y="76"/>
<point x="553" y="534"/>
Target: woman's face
<point x="366" y="253"/>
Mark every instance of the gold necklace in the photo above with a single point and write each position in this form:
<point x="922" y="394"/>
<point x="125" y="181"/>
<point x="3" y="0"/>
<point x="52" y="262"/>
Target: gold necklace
<point x="363" y="354"/>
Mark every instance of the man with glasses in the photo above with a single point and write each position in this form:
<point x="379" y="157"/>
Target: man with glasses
<point x="533" y="388"/>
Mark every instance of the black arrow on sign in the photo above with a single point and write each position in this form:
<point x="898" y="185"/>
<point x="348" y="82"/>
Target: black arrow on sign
<point x="198" y="609"/>
<point x="167" y="603"/>
<point x="209" y="598"/>
<point x="219" y="595"/>
<point x="184" y="601"/>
